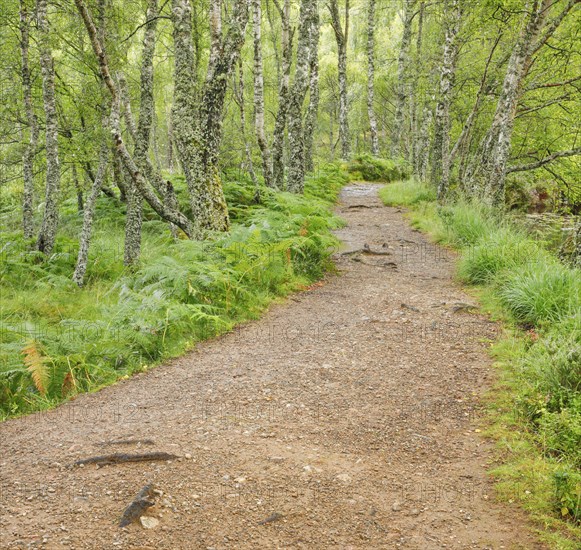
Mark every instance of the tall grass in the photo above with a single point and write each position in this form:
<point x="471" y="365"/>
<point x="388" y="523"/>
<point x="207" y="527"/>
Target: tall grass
<point x="527" y="285"/>
<point x="57" y="340"/>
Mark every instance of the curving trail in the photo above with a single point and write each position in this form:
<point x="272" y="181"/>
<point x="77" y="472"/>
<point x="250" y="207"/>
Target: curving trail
<point x="344" y="418"/>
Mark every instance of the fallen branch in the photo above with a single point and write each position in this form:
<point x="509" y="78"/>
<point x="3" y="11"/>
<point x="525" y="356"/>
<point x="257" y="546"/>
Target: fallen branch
<point x="118" y="458"/>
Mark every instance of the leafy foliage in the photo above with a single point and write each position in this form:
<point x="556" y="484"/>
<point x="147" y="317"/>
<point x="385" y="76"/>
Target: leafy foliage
<point x="368" y="168"/>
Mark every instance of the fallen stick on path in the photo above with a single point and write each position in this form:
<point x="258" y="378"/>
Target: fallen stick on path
<point x="118" y="458"/>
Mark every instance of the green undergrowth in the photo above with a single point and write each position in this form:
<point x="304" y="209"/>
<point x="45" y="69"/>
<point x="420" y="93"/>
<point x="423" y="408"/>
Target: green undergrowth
<point x="57" y="340"/>
<point x="368" y="168"/>
<point x="535" y="408"/>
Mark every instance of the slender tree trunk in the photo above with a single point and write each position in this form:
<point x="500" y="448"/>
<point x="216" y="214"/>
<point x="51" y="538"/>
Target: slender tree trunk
<point x="170" y="159"/>
<point x="417" y="120"/>
<point x="88" y="217"/>
<point x="259" y="93"/>
<point x="281" y="115"/>
<point x="47" y="235"/>
<point x="423" y="150"/>
<point x="371" y="78"/>
<point x="341" y="36"/>
<point x="441" y="146"/>
<point x="30" y="149"/>
<point x="313" y="108"/>
<point x="296" y="173"/>
<point x="239" y="94"/>
<point x="80" y="205"/>
<point x="403" y="86"/>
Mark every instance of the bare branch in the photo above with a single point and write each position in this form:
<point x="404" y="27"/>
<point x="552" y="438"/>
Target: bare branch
<point x="546" y="160"/>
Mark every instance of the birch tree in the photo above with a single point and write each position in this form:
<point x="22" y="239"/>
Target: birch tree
<point x="89" y="215"/>
<point x="341" y="37"/>
<point x="296" y="173"/>
<point x="259" y="93"/>
<point x="283" y="91"/>
<point x="313" y="107"/>
<point x="47" y="235"/>
<point x="402" y="91"/>
<point x="441" y="144"/>
<point x="167" y="212"/>
<point x="489" y="169"/>
<point x="30" y="149"/>
<point x="371" y="78"/>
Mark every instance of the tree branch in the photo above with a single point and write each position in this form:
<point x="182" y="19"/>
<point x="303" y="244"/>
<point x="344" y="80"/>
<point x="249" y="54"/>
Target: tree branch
<point x="546" y="160"/>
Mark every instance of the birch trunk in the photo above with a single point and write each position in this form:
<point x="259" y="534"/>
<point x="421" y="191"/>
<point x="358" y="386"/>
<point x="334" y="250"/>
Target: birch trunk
<point x="341" y="36"/>
<point x="371" y="78"/>
<point x="441" y="146"/>
<point x="281" y="115"/>
<point x="417" y="120"/>
<point x="47" y="235"/>
<point x="423" y="149"/>
<point x="198" y="128"/>
<point x="239" y="94"/>
<point x="296" y="173"/>
<point x="402" y="86"/>
<point x="313" y="108"/>
<point x="30" y="149"/>
<point x="259" y="93"/>
<point x="88" y="217"/>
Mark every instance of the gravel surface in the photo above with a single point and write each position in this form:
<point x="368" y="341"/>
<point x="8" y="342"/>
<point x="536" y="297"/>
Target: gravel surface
<point x="346" y="417"/>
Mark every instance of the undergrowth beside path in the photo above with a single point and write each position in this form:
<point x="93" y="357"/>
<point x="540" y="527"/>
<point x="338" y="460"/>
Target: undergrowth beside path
<point x="57" y="340"/>
<point x="535" y="408"/>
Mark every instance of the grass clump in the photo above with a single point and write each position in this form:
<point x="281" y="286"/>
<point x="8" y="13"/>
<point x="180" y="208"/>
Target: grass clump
<point x="536" y="406"/>
<point x="407" y="193"/>
<point x="368" y="168"/>
<point x="57" y="340"/>
<point x="541" y="292"/>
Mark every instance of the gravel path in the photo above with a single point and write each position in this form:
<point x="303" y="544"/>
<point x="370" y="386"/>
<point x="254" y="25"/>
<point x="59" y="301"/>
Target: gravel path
<point x="346" y="417"/>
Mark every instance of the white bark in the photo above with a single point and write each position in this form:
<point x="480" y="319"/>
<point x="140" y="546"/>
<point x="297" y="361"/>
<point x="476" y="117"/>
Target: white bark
<point x="341" y="36"/>
<point x="371" y="78"/>
<point x="259" y="93"/>
<point x="47" y="235"/>
<point x="30" y="149"/>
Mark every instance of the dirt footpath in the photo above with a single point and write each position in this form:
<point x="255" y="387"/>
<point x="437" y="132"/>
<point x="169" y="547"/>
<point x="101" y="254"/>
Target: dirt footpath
<point x="346" y="418"/>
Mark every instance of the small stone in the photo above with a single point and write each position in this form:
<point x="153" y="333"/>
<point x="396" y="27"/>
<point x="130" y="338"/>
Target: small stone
<point x="149" y="522"/>
<point x="188" y="456"/>
<point x="345" y="478"/>
<point x="396" y="506"/>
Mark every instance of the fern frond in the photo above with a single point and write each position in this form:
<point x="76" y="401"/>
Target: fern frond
<point x="36" y="364"/>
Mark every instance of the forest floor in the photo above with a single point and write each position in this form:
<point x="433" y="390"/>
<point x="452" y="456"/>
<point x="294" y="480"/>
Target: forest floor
<point x="347" y="417"/>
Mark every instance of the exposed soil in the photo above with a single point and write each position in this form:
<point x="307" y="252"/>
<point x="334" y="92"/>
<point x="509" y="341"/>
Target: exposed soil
<point x="346" y="418"/>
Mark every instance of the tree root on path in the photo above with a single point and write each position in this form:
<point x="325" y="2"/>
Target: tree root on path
<point x="125" y="442"/>
<point x="118" y="458"/>
<point x="138" y="506"/>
